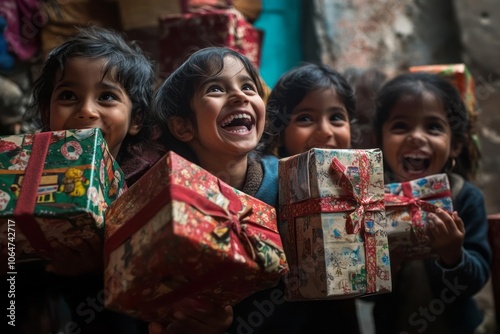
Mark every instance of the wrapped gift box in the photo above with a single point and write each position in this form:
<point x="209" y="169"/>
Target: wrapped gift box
<point x="460" y="76"/>
<point x="332" y="223"/>
<point x="182" y="34"/>
<point x="181" y="232"/>
<point x="407" y="205"/>
<point x="55" y="186"/>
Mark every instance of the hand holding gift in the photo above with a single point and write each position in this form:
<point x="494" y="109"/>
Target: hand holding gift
<point x="446" y="233"/>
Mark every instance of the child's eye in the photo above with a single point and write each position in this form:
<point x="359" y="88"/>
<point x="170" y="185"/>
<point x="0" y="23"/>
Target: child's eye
<point x="249" y="87"/>
<point x="399" y="126"/>
<point x="338" y="117"/>
<point x="214" y="89"/>
<point x="66" y="95"/>
<point x="107" y="97"/>
<point x="303" y="118"/>
<point x="436" y="128"/>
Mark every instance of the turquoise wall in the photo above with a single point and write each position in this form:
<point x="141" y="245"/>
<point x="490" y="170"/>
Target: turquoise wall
<point x="281" y="48"/>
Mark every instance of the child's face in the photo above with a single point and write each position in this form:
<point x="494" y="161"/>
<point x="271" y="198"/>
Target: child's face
<point x="416" y="138"/>
<point x="83" y="99"/>
<point x="230" y="114"/>
<point x="320" y="120"/>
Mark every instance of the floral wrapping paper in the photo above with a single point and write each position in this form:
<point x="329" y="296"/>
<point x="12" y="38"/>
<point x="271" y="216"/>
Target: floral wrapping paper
<point x="407" y="205"/>
<point x="332" y="222"/>
<point x="181" y="34"/>
<point x="66" y="178"/>
<point x="181" y="232"/>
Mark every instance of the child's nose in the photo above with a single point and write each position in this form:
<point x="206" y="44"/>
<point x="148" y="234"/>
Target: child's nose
<point x="416" y="137"/>
<point x="239" y="96"/>
<point x="324" y="128"/>
<point x="87" y="110"/>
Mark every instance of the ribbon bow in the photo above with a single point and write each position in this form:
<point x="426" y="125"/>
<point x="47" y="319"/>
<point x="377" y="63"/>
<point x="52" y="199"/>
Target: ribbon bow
<point x="358" y="191"/>
<point x="416" y="206"/>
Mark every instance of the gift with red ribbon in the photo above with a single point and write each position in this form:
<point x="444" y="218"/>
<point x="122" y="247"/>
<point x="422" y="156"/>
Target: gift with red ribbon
<point x="181" y="232"/>
<point x="407" y="205"/>
<point x="182" y="34"/>
<point x="332" y="223"/>
<point x="55" y="186"/>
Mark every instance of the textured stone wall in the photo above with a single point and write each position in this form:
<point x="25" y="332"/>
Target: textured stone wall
<point x="395" y="34"/>
<point x="479" y="21"/>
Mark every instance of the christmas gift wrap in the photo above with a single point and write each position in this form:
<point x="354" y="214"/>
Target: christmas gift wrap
<point x="182" y="34"/>
<point x="332" y="223"/>
<point x="407" y="205"/>
<point x="181" y="232"/>
<point x="55" y="186"/>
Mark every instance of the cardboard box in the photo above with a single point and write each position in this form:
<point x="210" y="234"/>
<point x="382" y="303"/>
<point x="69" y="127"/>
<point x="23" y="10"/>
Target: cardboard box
<point x="55" y="186"/>
<point x="332" y="223"/>
<point x="181" y="232"/>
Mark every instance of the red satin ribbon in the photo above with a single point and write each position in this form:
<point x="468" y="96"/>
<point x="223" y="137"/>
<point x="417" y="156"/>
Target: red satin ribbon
<point x="25" y="206"/>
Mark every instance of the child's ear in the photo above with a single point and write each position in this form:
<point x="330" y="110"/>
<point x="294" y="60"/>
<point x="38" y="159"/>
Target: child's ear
<point x="181" y="128"/>
<point x="135" y="126"/>
<point x="456" y="149"/>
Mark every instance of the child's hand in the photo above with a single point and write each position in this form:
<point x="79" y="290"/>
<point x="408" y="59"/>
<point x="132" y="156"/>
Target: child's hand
<point x="85" y="257"/>
<point x="190" y="317"/>
<point x="446" y="233"/>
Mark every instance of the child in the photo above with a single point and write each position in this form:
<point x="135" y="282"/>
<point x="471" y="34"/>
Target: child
<point x="309" y="107"/>
<point x="97" y="80"/>
<point x="212" y="113"/>
<point x="421" y="126"/>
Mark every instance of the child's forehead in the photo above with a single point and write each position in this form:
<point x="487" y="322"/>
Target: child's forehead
<point x="419" y="98"/>
<point x="425" y="104"/>
<point x="82" y="64"/>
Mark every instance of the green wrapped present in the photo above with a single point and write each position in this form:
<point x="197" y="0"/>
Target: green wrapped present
<point x="54" y="186"/>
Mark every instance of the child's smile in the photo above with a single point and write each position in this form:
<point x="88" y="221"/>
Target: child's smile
<point x="238" y="123"/>
<point x="417" y="138"/>
<point x="230" y="113"/>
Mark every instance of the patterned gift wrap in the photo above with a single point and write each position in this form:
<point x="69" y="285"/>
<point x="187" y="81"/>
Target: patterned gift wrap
<point x="332" y="223"/>
<point x="407" y="205"/>
<point x="55" y="186"/>
<point x="181" y="232"/>
<point x="181" y="34"/>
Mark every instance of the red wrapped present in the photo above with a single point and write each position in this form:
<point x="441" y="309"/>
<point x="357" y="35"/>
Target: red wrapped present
<point x="182" y="34"/>
<point x="181" y="232"/>
<point x="407" y="205"/>
<point x="332" y="222"/>
<point x="55" y="186"/>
